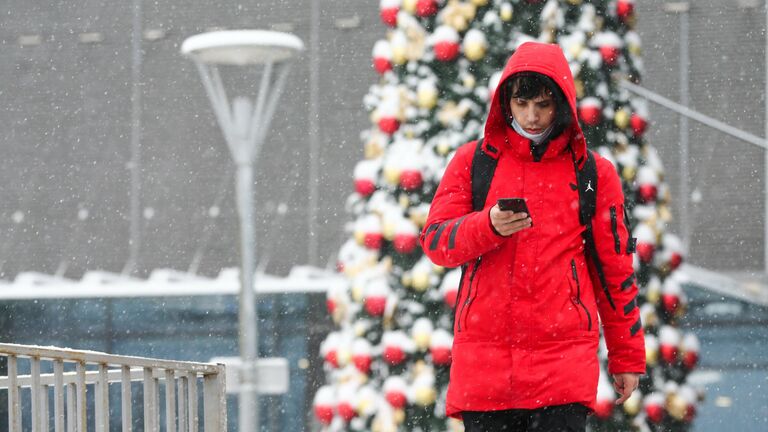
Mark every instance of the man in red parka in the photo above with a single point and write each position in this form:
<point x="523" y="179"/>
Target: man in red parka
<point x="526" y="321"/>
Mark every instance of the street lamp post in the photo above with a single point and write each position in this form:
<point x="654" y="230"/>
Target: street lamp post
<point x="244" y="123"/>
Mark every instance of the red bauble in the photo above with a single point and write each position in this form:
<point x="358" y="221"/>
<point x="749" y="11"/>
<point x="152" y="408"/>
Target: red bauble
<point x="441" y="356"/>
<point x="332" y="359"/>
<point x="690" y="359"/>
<point x="389" y="125"/>
<point x="610" y="54"/>
<point x="324" y="414"/>
<point x="671" y="303"/>
<point x="654" y="412"/>
<point x="425" y="8"/>
<point x="382" y="65"/>
<point x="638" y="124"/>
<point x="668" y="353"/>
<point x="396" y="399"/>
<point x="331" y="305"/>
<point x="394" y="355"/>
<point x="446" y="51"/>
<point x="373" y="240"/>
<point x="450" y="298"/>
<point x="590" y="114"/>
<point x="675" y="260"/>
<point x="405" y="243"/>
<point x="375" y="305"/>
<point x="389" y="16"/>
<point x="346" y="412"/>
<point x="647" y="193"/>
<point x="645" y="252"/>
<point x="624" y="9"/>
<point x="690" y="413"/>
<point x="339" y="266"/>
<point x="411" y="180"/>
<point x="362" y="363"/>
<point x="603" y="409"/>
<point x="365" y="187"/>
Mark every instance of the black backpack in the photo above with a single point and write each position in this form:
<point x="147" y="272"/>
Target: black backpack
<point x="484" y="166"/>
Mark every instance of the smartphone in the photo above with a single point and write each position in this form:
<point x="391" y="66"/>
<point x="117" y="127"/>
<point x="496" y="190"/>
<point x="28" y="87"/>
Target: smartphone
<point x="516" y="205"/>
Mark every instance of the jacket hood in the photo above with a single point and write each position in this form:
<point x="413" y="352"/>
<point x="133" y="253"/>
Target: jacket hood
<point x="546" y="59"/>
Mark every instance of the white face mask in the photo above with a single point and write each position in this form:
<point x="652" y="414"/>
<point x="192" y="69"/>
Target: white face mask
<point x="536" y="138"/>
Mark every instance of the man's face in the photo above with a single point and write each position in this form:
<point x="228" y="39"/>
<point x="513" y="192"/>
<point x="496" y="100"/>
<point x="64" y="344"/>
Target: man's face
<point x="534" y="115"/>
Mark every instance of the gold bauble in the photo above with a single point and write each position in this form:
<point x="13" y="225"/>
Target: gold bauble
<point x="419" y="367"/>
<point x="579" y="88"/>
<point x="422" y="340"/>
<point x="633" y="404"/>
<point x="664" y="213"/>
<point x="506" y="12"/>
<point x="399" y="54"/>
<point x="628" y="173"/>
<point x="418" y="217"/>
<point x="479" y="2"/>
<point x="621" y="118"/>
<point x="574" y="2"/>
<point x="425" y="396"/>
<point x="373" y="148"/>
<point x="458" y="15"/>
<point x="388" y="229"/>
<point x="575" y="50"/>
<point x="676" y="406"/>
<point x="392" y="175"/>
<point x="406" y="279"/>
<point x="469" y="81"/>
<point x="474" y="51"/>
<point x="410" y="6"/>
<point x="358" y="292"/>
<point x="343" y="356"/>
<point x="443" y="147"/>
<point x="398" y="416"/>
<point x="359" y="237"/>
<point x="635" y="49"/>
<point x="651" y="357"/>
<point x="404" y="201"/>
<point x="360" y="327"/>
<point x="426" y="98"/>
<point x="420" y="281"/>
<point x="653" y="294"/>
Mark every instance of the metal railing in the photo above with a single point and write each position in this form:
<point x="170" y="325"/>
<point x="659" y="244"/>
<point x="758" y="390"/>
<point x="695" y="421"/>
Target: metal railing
<point x="77" y="373"/>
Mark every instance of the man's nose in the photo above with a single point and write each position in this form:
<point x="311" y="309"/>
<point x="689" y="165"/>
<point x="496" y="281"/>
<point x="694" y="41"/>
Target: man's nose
<point x="531" y="115"/>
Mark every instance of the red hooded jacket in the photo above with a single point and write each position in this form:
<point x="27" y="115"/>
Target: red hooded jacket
<point x="526" y="320"/>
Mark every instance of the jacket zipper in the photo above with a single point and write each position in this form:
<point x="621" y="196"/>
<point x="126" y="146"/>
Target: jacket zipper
<point x="468" y="300"/>
<point x="615" y="229"/>
<point x="458" y="294"/>
<point x="578" y="295"/>
<point x="629" y="229"/>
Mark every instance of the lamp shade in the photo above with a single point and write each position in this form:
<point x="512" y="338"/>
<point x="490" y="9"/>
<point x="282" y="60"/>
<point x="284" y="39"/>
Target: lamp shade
<point x="242" y="47"/>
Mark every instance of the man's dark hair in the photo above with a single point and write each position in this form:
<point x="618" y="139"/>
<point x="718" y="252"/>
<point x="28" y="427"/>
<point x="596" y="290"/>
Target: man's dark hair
<point x="530" y="85"/>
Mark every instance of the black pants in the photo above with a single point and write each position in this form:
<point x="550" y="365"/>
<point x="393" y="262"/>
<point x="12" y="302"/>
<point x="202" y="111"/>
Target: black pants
<point x="559" y="418"/>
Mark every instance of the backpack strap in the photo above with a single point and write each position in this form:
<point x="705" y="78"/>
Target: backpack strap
<point x="483" y="167"/>
<point x="586" y="177"/>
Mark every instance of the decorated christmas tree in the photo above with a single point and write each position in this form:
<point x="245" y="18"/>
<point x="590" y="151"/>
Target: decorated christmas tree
<point x="438" y="64"/>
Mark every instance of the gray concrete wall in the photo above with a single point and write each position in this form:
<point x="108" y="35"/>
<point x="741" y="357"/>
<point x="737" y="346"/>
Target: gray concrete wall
<point x="67" y="139"/>
<point x="66" y="134"/>
<point x="727" y="82"/>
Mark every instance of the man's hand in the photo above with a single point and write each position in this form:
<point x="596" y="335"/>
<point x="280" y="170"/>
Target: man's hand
<point x="625" y="384"/>
<point x="507" y="222"/>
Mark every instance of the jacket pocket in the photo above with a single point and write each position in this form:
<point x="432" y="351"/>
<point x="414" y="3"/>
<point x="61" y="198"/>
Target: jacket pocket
<point x="576" y="299"/>
<point x="465" y="305"/>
